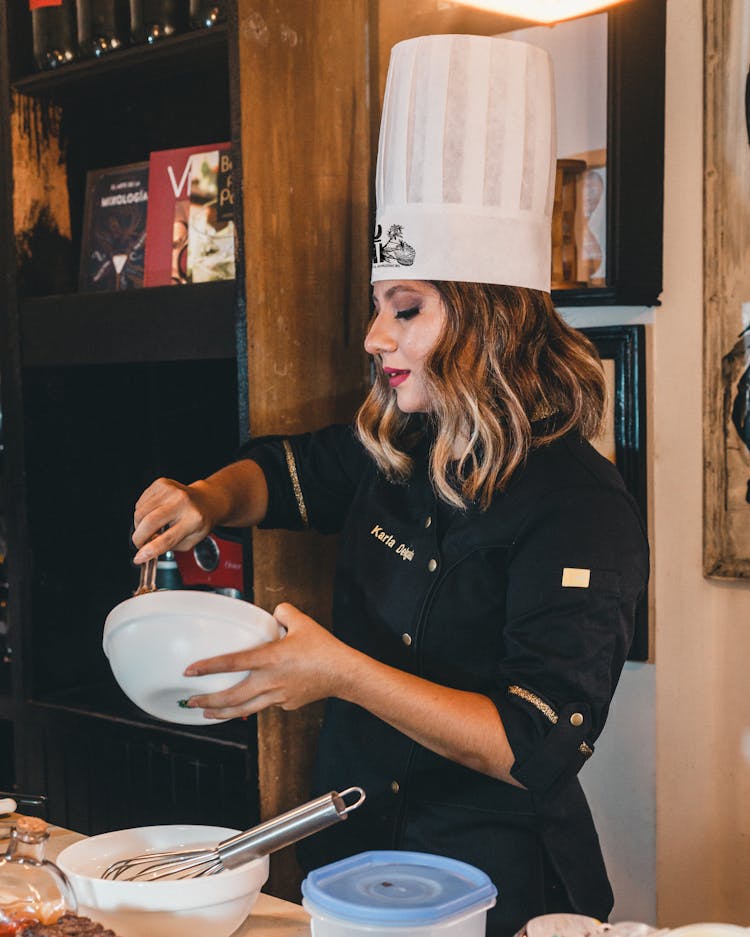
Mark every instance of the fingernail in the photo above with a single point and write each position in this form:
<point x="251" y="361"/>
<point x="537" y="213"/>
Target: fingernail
<point x="190" y="672"/>
<point x="183" y="703"/>
<point x="142" y="556"/>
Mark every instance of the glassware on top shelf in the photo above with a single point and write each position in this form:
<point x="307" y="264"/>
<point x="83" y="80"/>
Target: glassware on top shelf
<point x="152" y="20"/>
<point x="207" y="13"/>
<point x="103" y="26"/>
<point x="32" y="889"/>
<point x="54" y="32"/>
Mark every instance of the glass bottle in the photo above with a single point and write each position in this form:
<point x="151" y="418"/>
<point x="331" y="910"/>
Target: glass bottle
<point x="103" y="26"/>
<point x="32" y="889"/>
<point x="167" y="572"/>
<point x="207" y="13"/>
<point x="151" y="20"/>
<point x="54" y="32"/>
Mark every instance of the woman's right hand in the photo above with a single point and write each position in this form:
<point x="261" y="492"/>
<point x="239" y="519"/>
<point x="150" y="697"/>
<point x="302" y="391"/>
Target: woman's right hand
<point x="184" y="514"/>
<point x="171" y="516"/>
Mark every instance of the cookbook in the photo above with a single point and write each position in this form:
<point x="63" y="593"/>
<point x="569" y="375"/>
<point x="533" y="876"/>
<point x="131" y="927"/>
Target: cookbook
<point x="190" y="233"/>
<point x="114" y="228"/>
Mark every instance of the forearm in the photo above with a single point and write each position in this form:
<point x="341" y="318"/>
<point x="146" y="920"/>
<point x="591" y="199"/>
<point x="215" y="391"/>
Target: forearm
<point x="462" y="726"/>
<point x="237" y="494"/>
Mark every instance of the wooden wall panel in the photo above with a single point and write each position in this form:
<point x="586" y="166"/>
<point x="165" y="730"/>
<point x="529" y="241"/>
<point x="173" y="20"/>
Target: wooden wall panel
<point x="41" y="214"/>
<point x="306" y="169"/>
<point x="397" y="21"/>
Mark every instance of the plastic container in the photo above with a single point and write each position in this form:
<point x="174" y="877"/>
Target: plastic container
<point x="398" y="894"/>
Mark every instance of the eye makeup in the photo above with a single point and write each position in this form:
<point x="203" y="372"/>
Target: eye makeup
<point x="407" y="313"/>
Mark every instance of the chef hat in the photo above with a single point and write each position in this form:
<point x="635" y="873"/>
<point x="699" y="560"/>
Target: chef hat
<point x="466" y="163"/>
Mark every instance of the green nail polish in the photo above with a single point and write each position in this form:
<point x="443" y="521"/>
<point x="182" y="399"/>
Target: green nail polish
<point x="183" y="703"/>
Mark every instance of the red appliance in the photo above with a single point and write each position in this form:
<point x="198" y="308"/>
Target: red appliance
<point x="215" y="564"/>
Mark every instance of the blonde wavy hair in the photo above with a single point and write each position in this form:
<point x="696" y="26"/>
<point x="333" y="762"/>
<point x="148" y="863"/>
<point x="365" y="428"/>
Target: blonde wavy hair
<point x="505" y="359"/>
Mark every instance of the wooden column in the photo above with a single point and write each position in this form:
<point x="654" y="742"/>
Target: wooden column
<point x="306" y="167"/>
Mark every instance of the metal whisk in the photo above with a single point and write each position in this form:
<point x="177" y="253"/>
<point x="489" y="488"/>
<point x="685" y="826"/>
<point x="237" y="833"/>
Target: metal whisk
<point x="259" y="841"/>
<point x="147" y="581"/>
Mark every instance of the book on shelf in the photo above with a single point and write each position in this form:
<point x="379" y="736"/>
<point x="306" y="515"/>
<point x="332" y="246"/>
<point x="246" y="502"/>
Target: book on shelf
<point x="190" y="233"/>
<point x="114" y="228"/>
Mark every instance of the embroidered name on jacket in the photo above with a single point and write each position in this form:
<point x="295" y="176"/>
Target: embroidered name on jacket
<point x="388" y="540"/>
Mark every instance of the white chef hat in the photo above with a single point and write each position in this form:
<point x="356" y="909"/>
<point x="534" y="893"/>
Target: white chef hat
<point x="466" y="163"/>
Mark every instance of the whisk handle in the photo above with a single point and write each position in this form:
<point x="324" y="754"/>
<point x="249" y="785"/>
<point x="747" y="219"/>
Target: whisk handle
<point x="288" y="828"/>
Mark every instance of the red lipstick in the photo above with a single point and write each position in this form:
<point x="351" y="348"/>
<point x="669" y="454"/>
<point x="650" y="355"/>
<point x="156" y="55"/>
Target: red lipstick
<point x="395" y="376"/>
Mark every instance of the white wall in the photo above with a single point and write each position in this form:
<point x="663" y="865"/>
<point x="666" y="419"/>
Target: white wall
<point x="670" y="782"/>
<point x="620" y="784"/>
<point x="703" y="626"/>
<point x="620" y="780"/>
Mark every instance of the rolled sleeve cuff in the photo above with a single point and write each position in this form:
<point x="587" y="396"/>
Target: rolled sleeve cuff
<point x="550" y="745"/>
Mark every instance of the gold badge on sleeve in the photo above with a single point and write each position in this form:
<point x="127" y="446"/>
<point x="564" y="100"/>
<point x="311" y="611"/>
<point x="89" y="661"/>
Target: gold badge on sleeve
<point x="573" y="578"/>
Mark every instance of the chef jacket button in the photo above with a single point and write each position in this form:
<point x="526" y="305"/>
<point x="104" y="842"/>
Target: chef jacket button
<point x="576" y="719"/>
<point x="432" y="565"/>
<point x="395" y="787"/>
<point x="427" y="521"/>
<point x="406" y="638"/>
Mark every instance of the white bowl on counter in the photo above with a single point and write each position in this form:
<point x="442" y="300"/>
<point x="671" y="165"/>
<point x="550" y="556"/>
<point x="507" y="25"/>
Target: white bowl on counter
<point x="215" y="905"/>
<point x="150" y="639"/>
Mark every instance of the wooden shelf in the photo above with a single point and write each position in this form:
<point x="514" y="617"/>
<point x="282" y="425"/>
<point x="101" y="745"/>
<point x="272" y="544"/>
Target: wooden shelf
<point x="169" y="323"/>
<point x="203" y="48"/>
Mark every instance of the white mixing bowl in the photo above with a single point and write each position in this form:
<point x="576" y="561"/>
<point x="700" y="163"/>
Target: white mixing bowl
<point x="214" y="905"/>
<point x="150" y="640"/>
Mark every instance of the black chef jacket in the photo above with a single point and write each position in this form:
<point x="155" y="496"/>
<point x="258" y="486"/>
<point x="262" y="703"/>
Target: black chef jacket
<point x="530" y="602"/>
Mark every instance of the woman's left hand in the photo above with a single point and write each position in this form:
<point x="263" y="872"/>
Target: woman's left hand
<point x="306" y="665"/>
<point x="310" y="664"/>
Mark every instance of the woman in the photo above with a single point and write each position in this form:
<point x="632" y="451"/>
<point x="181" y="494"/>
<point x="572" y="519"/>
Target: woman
<point x="490" y="560"/>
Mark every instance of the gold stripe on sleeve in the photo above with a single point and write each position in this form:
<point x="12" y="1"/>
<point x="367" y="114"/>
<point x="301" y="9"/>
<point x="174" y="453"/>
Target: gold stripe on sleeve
<point x="292" y="466"/>
<point x="536" y="701"/>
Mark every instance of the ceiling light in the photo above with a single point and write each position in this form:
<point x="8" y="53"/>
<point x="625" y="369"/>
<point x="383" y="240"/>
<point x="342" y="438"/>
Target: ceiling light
<point x="542" y="11"/>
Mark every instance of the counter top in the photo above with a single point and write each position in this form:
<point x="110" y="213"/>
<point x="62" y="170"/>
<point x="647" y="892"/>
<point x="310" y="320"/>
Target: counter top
<point x="271" y="917"/>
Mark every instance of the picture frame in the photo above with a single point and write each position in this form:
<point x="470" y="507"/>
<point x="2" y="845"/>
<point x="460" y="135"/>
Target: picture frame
<point x="726" y="306"/>
<point x="622" y="350"/>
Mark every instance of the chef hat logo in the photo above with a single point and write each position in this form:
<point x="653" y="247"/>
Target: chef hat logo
<point x="466" y="163"/>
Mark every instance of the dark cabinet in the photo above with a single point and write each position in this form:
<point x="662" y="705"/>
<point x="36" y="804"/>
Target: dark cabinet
<point x="102" y="393"/>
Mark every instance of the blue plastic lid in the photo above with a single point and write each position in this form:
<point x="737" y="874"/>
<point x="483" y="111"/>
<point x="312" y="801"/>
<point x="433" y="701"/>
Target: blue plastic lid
<point x="403" y="888"/>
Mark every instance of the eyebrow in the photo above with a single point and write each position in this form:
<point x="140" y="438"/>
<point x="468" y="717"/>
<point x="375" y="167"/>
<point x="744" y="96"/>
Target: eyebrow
<point x="397" y="288"/>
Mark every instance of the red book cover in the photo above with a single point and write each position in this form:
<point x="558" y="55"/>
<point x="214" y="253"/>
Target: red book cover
<point x="190" y="226"/>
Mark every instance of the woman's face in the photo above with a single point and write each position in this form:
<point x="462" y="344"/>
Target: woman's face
<point x="408" y="319"/>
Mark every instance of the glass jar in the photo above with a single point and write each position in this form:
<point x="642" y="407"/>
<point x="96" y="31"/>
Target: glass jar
<point x="152" y="20"/>
<point x="32" y="889"/>
<point x="54" y="32"/>
<point x="103" y="26"/>
<point x="207" y="13"/>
